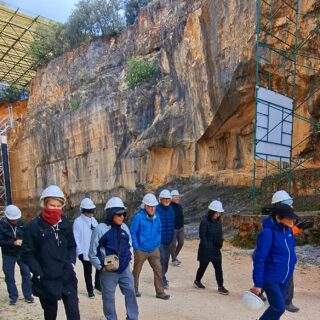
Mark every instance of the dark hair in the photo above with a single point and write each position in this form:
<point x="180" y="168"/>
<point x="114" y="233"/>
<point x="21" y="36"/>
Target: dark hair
<point x="87" y="210"/>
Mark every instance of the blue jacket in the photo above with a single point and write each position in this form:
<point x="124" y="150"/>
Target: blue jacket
<point x="275" y="258"/>
<point x="145" y="231"/>
<point x="167" y="218"/>
<point x="109" y="239"/>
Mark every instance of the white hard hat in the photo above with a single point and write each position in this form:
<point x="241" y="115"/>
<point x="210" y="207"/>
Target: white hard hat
<point x="12" y="212"/>
<point x="114" y="202"/>
<point x="252" y="301"/>
<point x="150" y="200"/>
<point x="216" y="206"/>
<point x="52" y="191"/>
<point x="165" y="194"/>
<point x="175" y="193"/>
<point x="279" y="196"/>
<point x="87" y="203"/>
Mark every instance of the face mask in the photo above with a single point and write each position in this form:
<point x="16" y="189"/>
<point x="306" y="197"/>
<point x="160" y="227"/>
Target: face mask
<point x="289" y="202"/>
<point x="52" y="216"/>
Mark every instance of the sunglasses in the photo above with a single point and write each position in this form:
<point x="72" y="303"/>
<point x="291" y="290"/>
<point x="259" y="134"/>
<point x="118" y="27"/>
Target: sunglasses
<point x="119" y="214"/>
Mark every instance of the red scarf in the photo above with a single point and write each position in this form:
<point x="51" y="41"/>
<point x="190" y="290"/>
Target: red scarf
<point x="52" y="216"/>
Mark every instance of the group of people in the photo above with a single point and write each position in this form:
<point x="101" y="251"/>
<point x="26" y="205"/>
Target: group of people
<point x="49" y="244"/>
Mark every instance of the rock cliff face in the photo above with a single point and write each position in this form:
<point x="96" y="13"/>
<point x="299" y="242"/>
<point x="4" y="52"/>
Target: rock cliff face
<point x="90" y="134"/>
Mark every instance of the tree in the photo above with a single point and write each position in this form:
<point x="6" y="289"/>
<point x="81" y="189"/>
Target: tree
<point x="13" y="93"/>
<point x="133" y="9"/>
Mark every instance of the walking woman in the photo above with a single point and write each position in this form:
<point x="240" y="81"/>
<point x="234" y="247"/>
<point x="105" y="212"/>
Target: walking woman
<point x="49" y="249"/>
<point x="274" y="259"/>
<point x="211" y="240"/>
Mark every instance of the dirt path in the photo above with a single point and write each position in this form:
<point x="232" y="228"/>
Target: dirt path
<point x="186" y="303"/>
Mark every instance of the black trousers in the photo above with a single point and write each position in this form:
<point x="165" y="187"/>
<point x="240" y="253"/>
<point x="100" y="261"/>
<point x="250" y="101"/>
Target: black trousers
<point x="289" y="296"/>
<point x="87" y="270"/>
<point x="71" y="305"/>
<point x="217" y="264"/>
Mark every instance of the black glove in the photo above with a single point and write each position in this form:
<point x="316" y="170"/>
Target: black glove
<point x="80" y="256"/>
<point x="305" y="224"/>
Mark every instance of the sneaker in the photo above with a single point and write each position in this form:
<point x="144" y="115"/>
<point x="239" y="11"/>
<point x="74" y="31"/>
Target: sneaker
<point x="198" y="285"/>
<point x="178" y="260"/>
<point x="175" y="263"/>
<point x="165" y="284"/>
<point x="223" y="290"/>
<point x="163" y="296"/>
<point x="98" y="291"/>
<point x="292" y="308"/>
<point x="29" y="300"/>
<point x="91" y="295"/>
<point x="138" y="294"/>
<point x="13" y="302"/>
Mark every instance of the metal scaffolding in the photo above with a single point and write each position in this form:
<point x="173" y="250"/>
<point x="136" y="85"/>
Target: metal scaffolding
<point x="17" y="31"/>
<point x="287" y="65"/>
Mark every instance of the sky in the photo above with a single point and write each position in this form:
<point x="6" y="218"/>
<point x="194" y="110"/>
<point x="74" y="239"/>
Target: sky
<point x="58" y="10"/>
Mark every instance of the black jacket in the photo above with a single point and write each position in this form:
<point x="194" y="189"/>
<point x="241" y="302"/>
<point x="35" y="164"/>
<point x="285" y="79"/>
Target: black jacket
<point x="8" y="234"/>
<point x="211" y="239"/>
<point x="50" y="253"/>
<point x="179" y="219"/>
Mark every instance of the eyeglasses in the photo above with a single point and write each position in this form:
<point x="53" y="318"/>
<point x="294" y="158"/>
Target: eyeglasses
<point x="120" y="214"/>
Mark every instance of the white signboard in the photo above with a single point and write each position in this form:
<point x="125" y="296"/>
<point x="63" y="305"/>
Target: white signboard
<point x="274" y="125"/>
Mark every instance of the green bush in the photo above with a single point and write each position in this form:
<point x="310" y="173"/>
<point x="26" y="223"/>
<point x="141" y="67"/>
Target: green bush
<point x="140" y="71"/>
<point x="248" y="242"/>
<point x="13" y="93"/>
<point x="74" y="104"/>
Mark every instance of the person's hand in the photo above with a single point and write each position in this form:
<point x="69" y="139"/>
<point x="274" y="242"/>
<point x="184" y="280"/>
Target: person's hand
<point x="80" y="257"/>
<point x="256" y="291"/>
<point x="18" y="242"/>
<point x="305" y="224"/>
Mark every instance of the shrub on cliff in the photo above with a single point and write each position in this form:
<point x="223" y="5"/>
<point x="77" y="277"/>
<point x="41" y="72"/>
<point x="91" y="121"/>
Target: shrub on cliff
<point x="13" y="93"/>
<point x="140" y="71"/>
<point x="90" y="19"/>
<point x="133" y="9"/>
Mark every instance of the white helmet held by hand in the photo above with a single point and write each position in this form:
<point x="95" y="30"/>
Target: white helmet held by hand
<point x="216" y="206"/>
<point x="12" y="212"/>
<point x="52" y="191"/>
<point x="87" y="204"/>
<point x="150" y="200"/>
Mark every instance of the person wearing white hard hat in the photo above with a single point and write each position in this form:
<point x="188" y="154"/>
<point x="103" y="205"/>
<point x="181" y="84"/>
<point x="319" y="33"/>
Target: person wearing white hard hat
<point x="11" y="238"/>
<point x="274" y="259"/>
<point x="166" y="214"/>
<point x="50" y="251"/>
<point x="211" y="241"/>
<point x="110" y="252"/>
<point x="82" y="230"/>
<point x="178" y="237"/>
<point x="146" y="236"/>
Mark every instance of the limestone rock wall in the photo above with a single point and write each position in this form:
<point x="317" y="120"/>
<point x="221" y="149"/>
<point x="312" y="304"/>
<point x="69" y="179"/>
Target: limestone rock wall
<point x="90" y="134"/>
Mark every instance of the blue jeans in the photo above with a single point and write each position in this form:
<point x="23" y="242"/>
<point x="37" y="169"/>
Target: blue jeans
<point x="8" y="267"/>
<point x="109" y="282"/>
<point x="165" y="250"/>
<point x="276" y="294"/>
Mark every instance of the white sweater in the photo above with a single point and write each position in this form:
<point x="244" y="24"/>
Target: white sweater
<point x="82" y="234"/>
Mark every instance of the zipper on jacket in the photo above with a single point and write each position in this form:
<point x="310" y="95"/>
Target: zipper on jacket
<point x="285" y="240"/>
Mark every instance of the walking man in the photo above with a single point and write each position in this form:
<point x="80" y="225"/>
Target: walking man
<point x="82" y="230"/>
<point x="146" y="236"/>
<point x="178" y="238"/>
<point x="11" y="235"/>
<point x="166" y="214"/>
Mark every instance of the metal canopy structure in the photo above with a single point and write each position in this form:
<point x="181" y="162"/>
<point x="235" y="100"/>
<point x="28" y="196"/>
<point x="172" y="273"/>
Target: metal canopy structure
<point x="17" y="30"/>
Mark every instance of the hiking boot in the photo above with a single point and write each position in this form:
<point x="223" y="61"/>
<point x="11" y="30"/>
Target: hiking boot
<point x="292" y="308"/>
<point x="198" y="285"/>
<point x="91" y="295"/>
<point x="29" y="300"/>
<point x="138" y="294"/>
<point x="163" y="296"/>
<point x="175" y="263"/>
<point x="223" y="290"/>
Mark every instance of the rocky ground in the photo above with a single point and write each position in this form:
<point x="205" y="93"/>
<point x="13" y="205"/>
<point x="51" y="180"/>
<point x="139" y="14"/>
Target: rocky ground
<point x="188" y="303"/>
